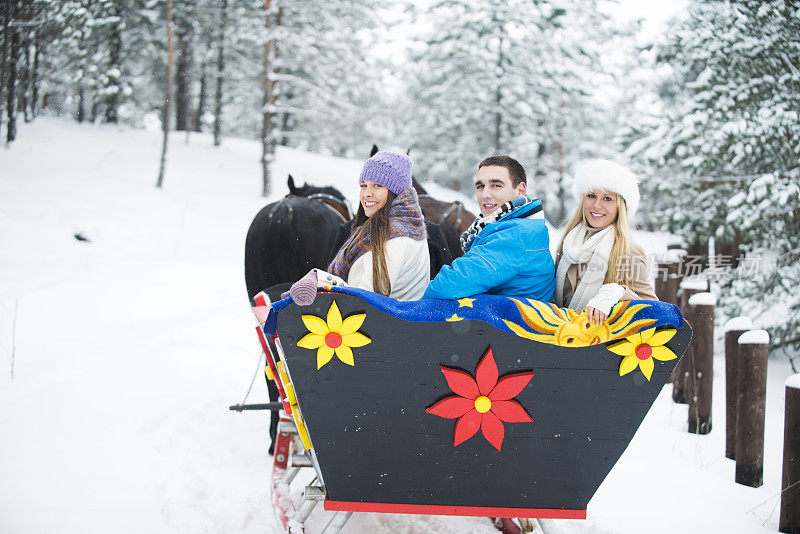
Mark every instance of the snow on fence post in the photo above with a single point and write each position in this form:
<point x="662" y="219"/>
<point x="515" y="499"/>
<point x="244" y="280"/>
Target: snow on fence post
<point x="790" y="484"/>
<point x="733" y="329"/>
<point x="689" y="287"/>
<point x="751" y="406"/>
<point x="700" y="382"/>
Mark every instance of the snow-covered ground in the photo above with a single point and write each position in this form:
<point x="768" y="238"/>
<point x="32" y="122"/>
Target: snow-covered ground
<point x="127" y="350"/>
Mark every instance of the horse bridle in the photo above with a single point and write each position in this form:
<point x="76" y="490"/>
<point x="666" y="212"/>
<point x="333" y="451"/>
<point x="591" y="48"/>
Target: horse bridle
<point x="341" y="207"/>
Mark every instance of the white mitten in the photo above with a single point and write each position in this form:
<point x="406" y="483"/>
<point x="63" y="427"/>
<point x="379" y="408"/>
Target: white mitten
<point x="328" y="279"/>
<point x="607" y="296"/>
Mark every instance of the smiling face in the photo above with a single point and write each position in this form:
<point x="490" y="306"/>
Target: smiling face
<point x="600" y="208"/>
<point x="372" y="196"/>
<point x="493" y="188"/>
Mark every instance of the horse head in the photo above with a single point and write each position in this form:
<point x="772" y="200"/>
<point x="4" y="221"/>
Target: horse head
<point x="306" y="190"/>
<point x="329" y="195"/>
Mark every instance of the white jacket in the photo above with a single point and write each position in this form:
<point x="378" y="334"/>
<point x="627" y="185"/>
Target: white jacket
<point x="408" y="262"/>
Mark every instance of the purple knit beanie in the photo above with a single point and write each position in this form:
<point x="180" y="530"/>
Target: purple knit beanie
<point x="390" y="169"/>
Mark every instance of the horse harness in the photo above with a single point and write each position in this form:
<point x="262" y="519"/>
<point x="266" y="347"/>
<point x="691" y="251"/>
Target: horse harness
<point x="338" y="206"/>
<point x="456" y="206"/>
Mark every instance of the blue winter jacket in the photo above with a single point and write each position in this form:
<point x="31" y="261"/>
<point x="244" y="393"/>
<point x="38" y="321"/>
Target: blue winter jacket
<point x="509" y="257"/>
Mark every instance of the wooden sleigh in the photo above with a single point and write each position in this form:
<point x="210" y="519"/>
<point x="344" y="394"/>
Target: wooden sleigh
<point x="486" y="406"/>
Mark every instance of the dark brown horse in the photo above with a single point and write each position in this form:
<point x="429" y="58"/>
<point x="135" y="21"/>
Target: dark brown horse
<point x="287" y="239"/>
<point x="290" y="237"/>
<point x="453" y="217"/>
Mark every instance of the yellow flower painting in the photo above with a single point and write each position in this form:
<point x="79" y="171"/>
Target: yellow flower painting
<point x="640" y="349"/>
<point x="334" y="335"/>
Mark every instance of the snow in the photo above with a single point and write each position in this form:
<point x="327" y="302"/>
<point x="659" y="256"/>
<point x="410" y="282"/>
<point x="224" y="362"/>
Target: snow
<point x="703" y="299"/>
<point x="793" y="381"/>
<point x="754" y="337"/>
<point x="738" y="323"/>
<point x="694" y="283"/>
<point x="672" y="255"/>
<point x="127" y="351"/>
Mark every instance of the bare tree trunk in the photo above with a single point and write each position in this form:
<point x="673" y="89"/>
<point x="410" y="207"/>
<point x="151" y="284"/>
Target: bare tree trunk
<point x="167" y="97"/>
<point x="267" y="141"/>
<point x="11" y="87"/>
<point x="197" y="119"/>
<point x="95" y="108"/>
<point x="184" y="64"/>
<point x="498" y="115"/>
<point x="6" y="25"/>
<point x="37" y="42"/>
<point x="87" y="48"/>
<point x="25" y="81"/>
<point x="115" y="66"/>
<point x="562" y="198"/>
<point x="220" y="73"/>
<point x="285" y="126"/>
<point x="81" y="102"/>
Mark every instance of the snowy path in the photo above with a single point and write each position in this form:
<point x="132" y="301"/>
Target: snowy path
<point x="129" y="349"/>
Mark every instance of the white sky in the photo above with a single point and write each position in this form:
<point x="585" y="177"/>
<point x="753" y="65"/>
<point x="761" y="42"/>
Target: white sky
<point x="654" y="14"/>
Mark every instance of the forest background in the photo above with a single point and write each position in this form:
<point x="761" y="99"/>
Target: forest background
<point x="707" y="112"/>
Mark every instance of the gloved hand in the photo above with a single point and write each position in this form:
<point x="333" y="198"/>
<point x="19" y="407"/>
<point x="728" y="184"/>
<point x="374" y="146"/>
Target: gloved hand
<point x="304" y="291"/>
<point x="607" y="296"/>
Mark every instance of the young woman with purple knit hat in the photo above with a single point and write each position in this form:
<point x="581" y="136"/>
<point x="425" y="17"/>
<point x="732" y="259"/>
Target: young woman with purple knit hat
<point x="387" y="251"/>
<point x="597" y="263"/>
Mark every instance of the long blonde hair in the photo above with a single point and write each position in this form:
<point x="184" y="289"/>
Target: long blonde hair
<point x="616" y="273"/>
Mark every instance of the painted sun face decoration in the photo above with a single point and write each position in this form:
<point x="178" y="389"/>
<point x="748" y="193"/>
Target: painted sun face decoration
<point x="568" y="328"/>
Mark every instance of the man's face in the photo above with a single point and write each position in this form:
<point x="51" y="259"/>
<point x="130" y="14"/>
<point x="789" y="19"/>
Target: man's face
<point x="493" y="188"/>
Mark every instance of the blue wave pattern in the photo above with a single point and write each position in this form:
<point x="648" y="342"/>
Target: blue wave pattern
<point x="492" y="309"/>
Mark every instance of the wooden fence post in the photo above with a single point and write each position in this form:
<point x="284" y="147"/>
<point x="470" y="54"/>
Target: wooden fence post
<point x="699" y="385"/>
<point x="750" y="408"/>
<point x="733" y="329"/>
<point x="790" y="498"/>
<point x="667" y="278"/>
<point x="689" y="287"/>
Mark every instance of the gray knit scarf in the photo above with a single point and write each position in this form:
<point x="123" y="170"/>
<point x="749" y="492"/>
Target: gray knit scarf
<point x="405" y="220"/>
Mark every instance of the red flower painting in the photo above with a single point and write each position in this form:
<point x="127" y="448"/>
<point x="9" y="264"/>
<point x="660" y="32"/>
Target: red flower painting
<point x="483" y="402"/>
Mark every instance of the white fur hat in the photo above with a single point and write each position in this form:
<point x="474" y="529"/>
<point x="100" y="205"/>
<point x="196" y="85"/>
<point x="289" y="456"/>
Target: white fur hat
<point x="605" y="175"/>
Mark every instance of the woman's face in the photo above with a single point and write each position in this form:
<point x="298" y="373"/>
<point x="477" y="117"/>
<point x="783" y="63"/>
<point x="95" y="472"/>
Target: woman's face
<point x="372" y="196"/>
<point x="600" y="208"/>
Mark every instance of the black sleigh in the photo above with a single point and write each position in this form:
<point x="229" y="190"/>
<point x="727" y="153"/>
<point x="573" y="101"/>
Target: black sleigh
<point x="488" y="406"/>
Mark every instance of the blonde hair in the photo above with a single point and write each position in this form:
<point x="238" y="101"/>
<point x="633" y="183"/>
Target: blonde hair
<point x="618" y="271"/>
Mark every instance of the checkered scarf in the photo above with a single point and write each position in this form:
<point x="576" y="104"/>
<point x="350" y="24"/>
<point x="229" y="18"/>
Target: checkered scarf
<point x="480" y="222"/>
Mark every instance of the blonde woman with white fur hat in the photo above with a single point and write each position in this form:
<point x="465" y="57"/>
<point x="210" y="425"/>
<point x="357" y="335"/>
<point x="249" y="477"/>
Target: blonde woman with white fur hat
<point x="597" y="263"/>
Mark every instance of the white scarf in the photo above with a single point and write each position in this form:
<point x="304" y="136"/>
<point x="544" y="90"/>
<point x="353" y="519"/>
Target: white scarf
<point x="593" y="251"/>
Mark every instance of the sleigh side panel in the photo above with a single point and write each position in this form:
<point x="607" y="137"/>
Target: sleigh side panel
<point x="377" y="446"/>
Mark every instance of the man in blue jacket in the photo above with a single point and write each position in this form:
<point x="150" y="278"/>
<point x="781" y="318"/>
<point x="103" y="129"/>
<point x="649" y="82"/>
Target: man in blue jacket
<point x="507" y="248"/>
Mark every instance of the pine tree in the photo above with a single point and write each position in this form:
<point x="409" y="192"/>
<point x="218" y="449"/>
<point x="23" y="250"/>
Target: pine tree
<point x="728" y="138"/>
<point x="513" y="77"/>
